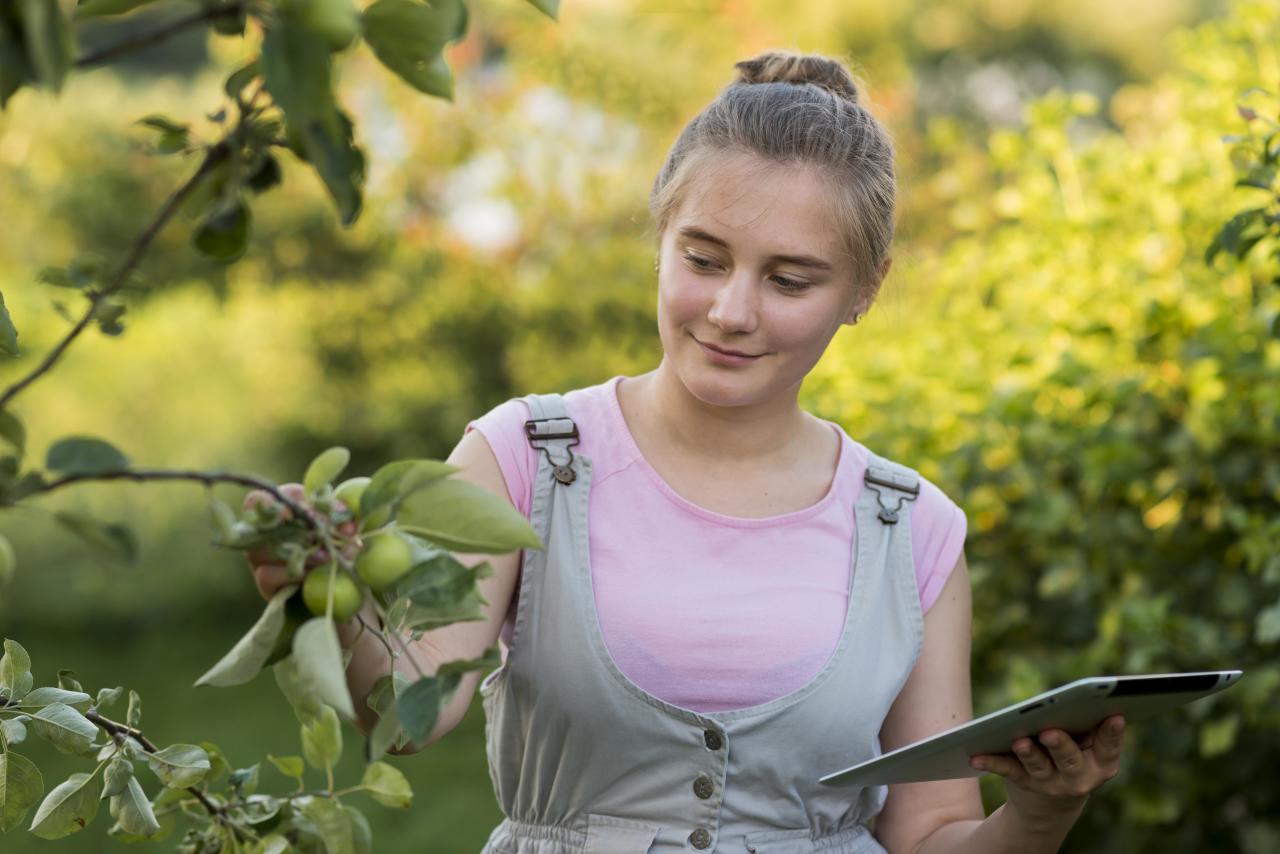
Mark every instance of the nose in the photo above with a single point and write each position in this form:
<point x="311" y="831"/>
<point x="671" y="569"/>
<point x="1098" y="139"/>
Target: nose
<point x="736" y="304"/>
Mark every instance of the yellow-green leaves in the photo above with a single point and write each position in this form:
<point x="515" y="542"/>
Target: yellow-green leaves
<point x="322" y="740"/>
<point x="180" y="765"/>
<point x="327" y="465"/>
<point x="462" y="517"/>
<point x="387" y="785"/>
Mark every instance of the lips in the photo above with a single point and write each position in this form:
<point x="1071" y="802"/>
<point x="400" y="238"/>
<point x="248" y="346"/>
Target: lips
<point x="728" y="352"/>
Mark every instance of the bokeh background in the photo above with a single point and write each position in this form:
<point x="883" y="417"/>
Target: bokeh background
<point x="1052" y="347"/>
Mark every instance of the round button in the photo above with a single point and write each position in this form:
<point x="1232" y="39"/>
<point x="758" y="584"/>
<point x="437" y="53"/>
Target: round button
<point x="700" y="839"/>
<point x="712" y="739"/>
<point x="703" y="787"/>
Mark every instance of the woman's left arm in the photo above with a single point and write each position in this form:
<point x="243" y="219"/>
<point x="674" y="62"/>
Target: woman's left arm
<point x="1047" y="783"/>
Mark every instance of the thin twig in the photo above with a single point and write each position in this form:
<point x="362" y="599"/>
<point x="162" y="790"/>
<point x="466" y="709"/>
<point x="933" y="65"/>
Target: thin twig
<point x="101" y="55"/>
<point x="215" y="155"/>
<point x="116" y="728"/>
<point x="208" y="478"/>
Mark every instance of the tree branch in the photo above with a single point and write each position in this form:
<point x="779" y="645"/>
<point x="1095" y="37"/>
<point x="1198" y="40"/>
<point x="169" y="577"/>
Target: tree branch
<point x="117" y="729"/>
<point x="208" y="478"/>
<point x="213" y="157"/>
<point x="101" y="55"/>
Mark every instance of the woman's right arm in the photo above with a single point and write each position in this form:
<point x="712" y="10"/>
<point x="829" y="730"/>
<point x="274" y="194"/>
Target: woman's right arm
<point x="369" y="658"/>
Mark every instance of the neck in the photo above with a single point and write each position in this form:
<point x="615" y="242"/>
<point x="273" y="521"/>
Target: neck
<point x="664" y="408"/>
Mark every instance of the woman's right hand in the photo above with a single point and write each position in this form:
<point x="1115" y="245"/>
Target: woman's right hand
<point x="269" y="574"/>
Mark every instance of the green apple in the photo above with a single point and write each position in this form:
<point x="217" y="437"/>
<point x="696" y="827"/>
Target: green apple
<point x="350" y="491"/>
<point x="384" y="561"/>
<point x="346" y="594"/>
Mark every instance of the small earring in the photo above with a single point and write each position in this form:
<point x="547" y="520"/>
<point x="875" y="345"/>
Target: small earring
<point x="857" y="317"/>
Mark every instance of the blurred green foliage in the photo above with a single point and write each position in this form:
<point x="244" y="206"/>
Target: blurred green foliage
<point x="1052" y="348"/>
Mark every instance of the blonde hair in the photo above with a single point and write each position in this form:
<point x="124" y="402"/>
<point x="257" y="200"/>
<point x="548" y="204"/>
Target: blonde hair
<point x="795" y="109"/>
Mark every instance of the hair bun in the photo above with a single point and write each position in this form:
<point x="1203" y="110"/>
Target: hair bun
<point x="778" y="66"/>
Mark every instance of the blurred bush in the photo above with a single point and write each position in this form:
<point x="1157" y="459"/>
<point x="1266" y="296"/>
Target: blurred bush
<point x="1106" y="408"/>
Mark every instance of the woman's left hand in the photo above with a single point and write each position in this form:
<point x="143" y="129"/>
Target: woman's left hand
<point x="1057" y="774"/>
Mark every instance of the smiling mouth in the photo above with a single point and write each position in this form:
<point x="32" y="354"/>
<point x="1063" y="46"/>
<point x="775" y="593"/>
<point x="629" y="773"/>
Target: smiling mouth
<point x="729" y="352"/>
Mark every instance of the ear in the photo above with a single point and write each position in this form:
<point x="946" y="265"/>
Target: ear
<point x="864" y="300"/>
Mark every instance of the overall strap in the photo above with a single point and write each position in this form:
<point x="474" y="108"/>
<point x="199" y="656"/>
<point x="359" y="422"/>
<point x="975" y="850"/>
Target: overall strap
<point x="551" y="427"/>
<point x="892" y="482"/>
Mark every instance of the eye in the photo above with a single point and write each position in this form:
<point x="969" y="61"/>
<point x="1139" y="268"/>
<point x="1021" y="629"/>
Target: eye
<point x="790" y="284"/>
<point x="698" y="261"/>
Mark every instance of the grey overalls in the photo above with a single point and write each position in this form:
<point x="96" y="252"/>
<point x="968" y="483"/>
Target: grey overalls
<point x="583" y="761"/>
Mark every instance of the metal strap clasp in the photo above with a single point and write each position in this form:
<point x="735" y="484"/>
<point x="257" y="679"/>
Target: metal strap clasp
<point x="889" y="515"/>
<point x="563" y="473"/>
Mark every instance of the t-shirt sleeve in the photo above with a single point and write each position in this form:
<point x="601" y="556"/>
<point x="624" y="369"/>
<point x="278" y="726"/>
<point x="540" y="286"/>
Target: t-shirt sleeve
<point x="503" y="428"/>
<point x="938" y="527"/>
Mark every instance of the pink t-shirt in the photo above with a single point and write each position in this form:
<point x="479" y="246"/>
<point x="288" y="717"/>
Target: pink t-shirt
<point x="703" y="610"/>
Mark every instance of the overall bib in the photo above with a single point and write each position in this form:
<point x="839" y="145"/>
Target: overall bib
<point x="584" y="761"/>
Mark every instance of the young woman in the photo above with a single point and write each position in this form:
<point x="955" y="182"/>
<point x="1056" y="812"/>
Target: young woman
<point x="736" y="597"/>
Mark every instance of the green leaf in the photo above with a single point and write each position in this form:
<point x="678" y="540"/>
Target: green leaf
<point x="64" y="728"/>
<point x="223" y="233"/>
<point x="266" y="174"/>
<point x="251" y="652"/>
<point x="550" y="8"/>
<point x="101" y="8"/>
<point x="180" y="765"/>
<point x="297" y="70"/>
<point x="439" y="591"/>
<point x="69" y="807"/>
<point x="419" y="706"/>
<point x="13" y="730"/>
<point x="67" y="681"/>
<point x="15" y="671"/>
<point x="44" y="696"/>
<point x="290" y="766"/>
<point x="8" y="333"/>
<point x="20" y="788"/>
<point x="394" y="481"/>
<point x="387" y="785"/>
<point x="84" y="455"/>
<point x="133" y="812"/>
<point x="361" y="833"/>
<point x="12" y="430"/>
<point x="462" y="517"/>
<point x="115" y="539"/>
<point x="15" y="65"/>
<point x="332" y="823"/>
<point x="116" y="777"/>
<point x="108" y="696"/>
<point x="168" y="818"/>
<point x="301" y="699"/>
<point x="133" y="717"/>
<point x="327" y="465"/>
<point x="318" y="656"/>
<point x="492" y="657"/>
<point x="49" y="41"/>
<point x="407" y="37"/>
<point x="241" y="78"/>
<point x="245" y="780"/>
<point x="217" y="762"/>
<point x="322" y="740"/>
<point x="387" y="732"/>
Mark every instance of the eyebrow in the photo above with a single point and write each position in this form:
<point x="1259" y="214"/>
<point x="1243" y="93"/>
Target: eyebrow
<point x="803" y="260"/>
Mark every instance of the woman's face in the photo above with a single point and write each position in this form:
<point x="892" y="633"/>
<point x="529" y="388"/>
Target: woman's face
<point x="751" y="262"/>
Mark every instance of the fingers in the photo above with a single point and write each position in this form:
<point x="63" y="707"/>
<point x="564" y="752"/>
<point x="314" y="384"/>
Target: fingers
<point x="1108" y="740"/>
<point x="269" y="579"/>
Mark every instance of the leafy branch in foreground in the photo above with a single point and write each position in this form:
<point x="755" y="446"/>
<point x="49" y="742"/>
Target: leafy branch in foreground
<point x="384" y="540"/>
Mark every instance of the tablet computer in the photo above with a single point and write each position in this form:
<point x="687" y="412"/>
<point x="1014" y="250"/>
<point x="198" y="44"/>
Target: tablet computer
<point x="1076" y="707"/>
